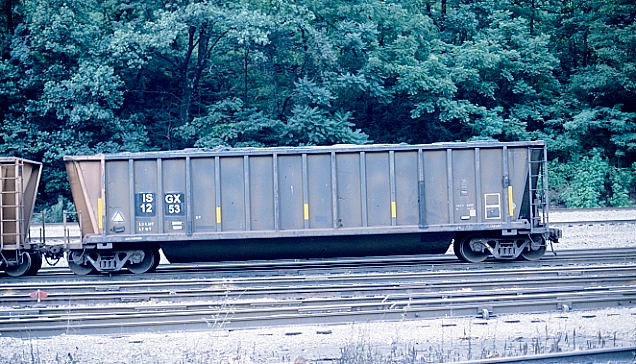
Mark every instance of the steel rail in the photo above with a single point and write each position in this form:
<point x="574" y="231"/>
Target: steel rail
<point x="578" y="254"/>
<point x="323" y="298"/>
<point x="304" y="297"/>
<point x="603" y="355"/>
<point x="595" y="209"/>
<point x="594" y="222"/>
<point x="344" y="311"/>
<point x="296" y="293"/>
<point x="448" y="261"/>
<point x="436" y="274"/>
<point x="126" y="290"/>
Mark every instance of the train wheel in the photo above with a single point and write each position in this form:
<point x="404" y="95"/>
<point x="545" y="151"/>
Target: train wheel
<point x="74" y="262"/>
<point x="36" y="263"/>
<point x="456" y="245"/>
<point x="535" y="250"/>
<point x="146" y="264"/>
<point x="22" y="268"/>
<point x="156" y="262"/>
<point x="470" y="249"/>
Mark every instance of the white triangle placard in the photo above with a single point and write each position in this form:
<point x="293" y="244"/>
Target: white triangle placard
<point x="118" y="217"/>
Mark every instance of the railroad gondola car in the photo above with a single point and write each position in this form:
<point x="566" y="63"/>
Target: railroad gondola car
<point x="19" y="179"/>
<point x="490" y="198"/>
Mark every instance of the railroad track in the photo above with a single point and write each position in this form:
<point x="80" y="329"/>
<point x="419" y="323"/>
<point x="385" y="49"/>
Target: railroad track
<point x="604" y="355"/>
<point x="594" y="222"/>
<point x="184" y="318"/>
<point x="275" y="267"/>
<point x="257" y="302"/>
<point x="110" y="291"/>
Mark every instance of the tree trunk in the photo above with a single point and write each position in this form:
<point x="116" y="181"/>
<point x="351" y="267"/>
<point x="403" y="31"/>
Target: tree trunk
<point x="202" y="61"/>
<point x="186" y="87"/>
<point x="532" y="15"/>
<point x="246" y="55"/>
<point x="442" y="18"/>
<point x="8" y="10"/>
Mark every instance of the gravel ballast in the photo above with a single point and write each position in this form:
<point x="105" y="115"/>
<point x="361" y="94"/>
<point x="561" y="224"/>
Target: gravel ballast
<point x="449" y="339"/>
<point x="608" y="235"/>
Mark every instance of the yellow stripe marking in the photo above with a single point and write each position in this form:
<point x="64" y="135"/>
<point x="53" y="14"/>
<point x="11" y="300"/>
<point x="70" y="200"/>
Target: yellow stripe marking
<point x="218" y="214"/>
<point x="100" y="213"/>
<point x="511" y="207"/>
<point x="306" y="211"/>
<point x="393" y="210"/>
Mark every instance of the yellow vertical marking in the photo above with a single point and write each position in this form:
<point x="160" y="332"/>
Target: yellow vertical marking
<point x="393" y="210"/>
<point x="218" y="214"/>
<point x="100" y="213"/>
<point x="511" y="208"/>
<point x="306" y="211"/>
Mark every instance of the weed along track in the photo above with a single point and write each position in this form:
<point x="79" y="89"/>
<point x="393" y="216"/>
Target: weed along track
<point x="170" y="303"/>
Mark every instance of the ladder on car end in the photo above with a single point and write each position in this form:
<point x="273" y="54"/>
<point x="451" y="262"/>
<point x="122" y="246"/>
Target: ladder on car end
<point x="538" y="186"/>
<point x="11" y="205"/>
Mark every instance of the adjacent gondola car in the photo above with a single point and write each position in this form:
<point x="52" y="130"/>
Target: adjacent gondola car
<point x="490" y="198"/>
<point x="19" y="179"/>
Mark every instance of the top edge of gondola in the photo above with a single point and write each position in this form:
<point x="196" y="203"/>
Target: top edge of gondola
<point x="337" y="148"/>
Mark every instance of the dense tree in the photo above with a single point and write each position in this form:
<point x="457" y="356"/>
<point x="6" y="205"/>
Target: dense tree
<point x="81" y="76"/>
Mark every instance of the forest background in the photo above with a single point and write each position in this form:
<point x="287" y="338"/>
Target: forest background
<point x="88" y="76"/>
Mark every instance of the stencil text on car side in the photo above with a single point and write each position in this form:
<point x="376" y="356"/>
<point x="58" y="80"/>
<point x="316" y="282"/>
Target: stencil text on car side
<point x="145" y="204"/>
<point x="145" y="226"/>
<point x="173" y="204"/>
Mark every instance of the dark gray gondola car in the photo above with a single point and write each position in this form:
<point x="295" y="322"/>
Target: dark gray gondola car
<point x="261" y="203"/>
<point x="19" y="179"/>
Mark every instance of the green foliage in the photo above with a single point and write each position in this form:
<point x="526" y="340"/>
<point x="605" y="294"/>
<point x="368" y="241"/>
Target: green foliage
<point x="587" y="182"/>
<point x="80" y="77"/>
<point x="590" y="182"/>
<point x="311" y="126"/>
<point x="613" y="129"/>
<point x="55" y="213"/>
<point x="229" y="123"/>
<point x="621" y="180"/>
